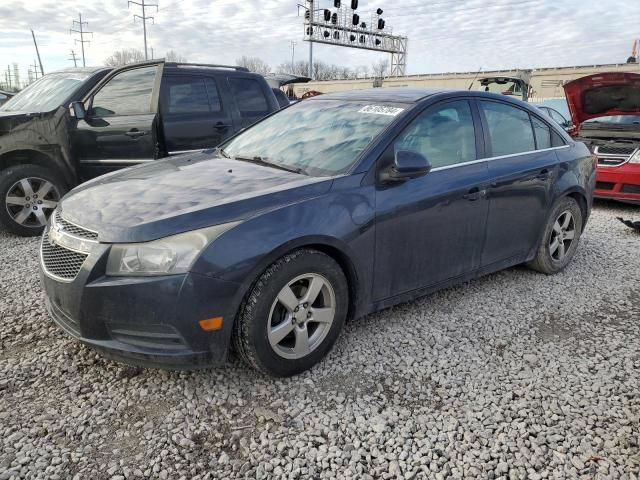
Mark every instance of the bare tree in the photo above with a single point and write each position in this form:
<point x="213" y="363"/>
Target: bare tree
<point x="254" y="64"/>
<point x="380" y="68"/>
<point x="124" y="57"/>
<point x="173" y="56"/>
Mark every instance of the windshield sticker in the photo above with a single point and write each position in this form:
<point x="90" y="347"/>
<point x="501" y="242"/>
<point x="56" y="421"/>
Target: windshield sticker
<point x="381" y="110"/>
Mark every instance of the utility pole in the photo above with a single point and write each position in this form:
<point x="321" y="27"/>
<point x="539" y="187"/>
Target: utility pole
<point x="37" y="52"/>
<point x="144" y="19"/>
<point x="82" y="33"/>
<point x="293" y="50"/>
<point x="151" y="53"/>
<point x="73" y="57"/>
<point x="35" y="70"/>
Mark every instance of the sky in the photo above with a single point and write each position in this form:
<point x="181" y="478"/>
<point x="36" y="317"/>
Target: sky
<point x="444" y="35"/>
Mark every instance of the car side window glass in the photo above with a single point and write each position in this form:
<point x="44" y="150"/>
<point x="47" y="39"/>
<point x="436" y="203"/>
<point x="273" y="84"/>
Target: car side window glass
<point x="186" y="95"/>
<point x="128" y="93"/>
<point x="214" y="95"/>
<point x="510" y="129"/>
<point x="249" y="97"/>
<point x="542" y="132"/>
<point x="556" y="140"/>
<point x="445" y="135"/>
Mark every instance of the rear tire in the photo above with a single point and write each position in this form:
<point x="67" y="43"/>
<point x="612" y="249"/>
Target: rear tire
<point x="560" y="237"/>
<point x="28" y="196"/>
<point x="293" y="314"/>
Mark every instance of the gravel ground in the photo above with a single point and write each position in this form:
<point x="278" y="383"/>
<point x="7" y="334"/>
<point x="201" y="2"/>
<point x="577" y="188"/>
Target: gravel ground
<point x="515" y="375"/>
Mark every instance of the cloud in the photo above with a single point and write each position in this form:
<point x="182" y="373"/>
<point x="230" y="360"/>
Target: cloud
<point x="444" y="35"/>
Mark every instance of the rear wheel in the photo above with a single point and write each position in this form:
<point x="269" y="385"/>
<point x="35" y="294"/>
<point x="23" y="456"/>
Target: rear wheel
<point x="293" y="314"/>
<point x="560" y="237"/>
<point x="28" y="196"/>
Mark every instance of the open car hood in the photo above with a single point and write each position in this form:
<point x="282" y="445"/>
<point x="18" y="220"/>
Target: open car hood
<point x="603" y="95"/>
<point x="277" y="80"/>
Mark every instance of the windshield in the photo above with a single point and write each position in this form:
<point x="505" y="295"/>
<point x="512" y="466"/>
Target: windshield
<point x="316" y="137"/>
<point x="46" y="94"/>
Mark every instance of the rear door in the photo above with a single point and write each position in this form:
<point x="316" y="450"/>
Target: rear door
<point x="522" y="166"/>
<point x="251" y="98"/>
<point x="120" y="128"/>
<point x="193" y="114"/>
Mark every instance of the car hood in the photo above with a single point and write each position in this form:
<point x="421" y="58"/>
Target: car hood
<point x="182" y="193"/>
<point x="602" y="95"/>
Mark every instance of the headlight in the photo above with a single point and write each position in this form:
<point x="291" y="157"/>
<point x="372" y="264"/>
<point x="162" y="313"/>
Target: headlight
<point x="167" y="256"/>
<point x="635" y="158"/>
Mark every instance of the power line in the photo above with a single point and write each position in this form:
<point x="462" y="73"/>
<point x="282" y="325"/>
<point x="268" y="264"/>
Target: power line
<point x="144" y="19"/>
<point x="82" y="33"/>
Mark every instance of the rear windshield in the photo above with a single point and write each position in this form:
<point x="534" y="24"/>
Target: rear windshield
<point x="46" y="94"/>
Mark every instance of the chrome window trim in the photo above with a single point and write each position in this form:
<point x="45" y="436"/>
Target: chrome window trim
<point x="180" y="152"/>
<point x="117" y="162"/>
<point x="529" y="152"/>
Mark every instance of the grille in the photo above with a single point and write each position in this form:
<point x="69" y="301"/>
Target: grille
<point x="605" y="185"/>
<point x="59" y="261"/>
<point x="630" y="188"/>
<point x="611" y="150"/>
<point x="75" y="230"/>
<point x="611" y="161"/>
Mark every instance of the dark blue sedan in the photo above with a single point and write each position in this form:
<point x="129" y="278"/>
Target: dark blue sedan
<point x="330" y="209"/>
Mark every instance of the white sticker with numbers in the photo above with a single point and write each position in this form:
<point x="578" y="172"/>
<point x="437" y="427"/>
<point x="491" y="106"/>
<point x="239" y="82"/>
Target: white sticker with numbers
<point x="381" y="110"/>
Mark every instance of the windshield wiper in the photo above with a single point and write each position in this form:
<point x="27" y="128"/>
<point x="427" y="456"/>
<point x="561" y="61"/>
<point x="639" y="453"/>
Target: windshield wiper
<point x="258" y="160"/>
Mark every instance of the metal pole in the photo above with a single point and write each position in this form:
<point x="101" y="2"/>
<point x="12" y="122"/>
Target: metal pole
<point x="37" y="51"/>
<point x="311" y="60"/>
<point x="311" y="13"/>
<point x="293" y="50"/>
<point x="144" y="29"/>
<point x="82" y="40"/>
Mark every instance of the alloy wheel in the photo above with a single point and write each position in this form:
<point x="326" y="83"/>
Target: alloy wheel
<point x="562" y="235"/>
<point x="31" y="200"/>
<point x="301" y="316"/>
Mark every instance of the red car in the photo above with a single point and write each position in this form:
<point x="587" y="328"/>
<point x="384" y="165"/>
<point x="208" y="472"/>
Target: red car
<point x="605" y="109"/>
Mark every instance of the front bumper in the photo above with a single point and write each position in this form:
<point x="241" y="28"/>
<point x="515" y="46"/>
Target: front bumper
<point x="146" y="321"/>
<point x="619" y="183"/>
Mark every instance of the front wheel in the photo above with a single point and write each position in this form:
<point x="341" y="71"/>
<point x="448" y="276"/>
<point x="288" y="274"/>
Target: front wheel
<point x="293" y="314"/>
<point x="28" y="196"/>
<point x="560" y="237"/>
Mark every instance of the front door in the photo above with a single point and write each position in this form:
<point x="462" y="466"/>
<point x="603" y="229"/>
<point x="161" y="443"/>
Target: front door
<point x="120" y="127"/>
<point x="193" y="114"/>
<point x="431" y="229"/>
<point x="522" y="167"/>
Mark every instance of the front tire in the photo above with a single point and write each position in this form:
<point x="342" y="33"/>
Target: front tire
<point x="560" y="237"/>
<point x="293" y="314"/>
<point x="28" y="196"/>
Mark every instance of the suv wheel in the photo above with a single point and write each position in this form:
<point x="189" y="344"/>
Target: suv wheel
<point x="293" y="314"/>
<point x="28" y="196"/>
<point x="560" y="237"/>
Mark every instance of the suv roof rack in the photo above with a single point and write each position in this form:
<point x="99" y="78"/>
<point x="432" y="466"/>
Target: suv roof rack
<point x="209" y="65"/>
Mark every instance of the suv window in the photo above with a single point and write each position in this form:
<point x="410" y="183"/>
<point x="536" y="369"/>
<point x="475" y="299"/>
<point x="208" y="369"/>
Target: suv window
<point x="249" y="96"/>
<point x="186" y="95"/>
<point x="128" y="93"/>
<point x="510" y="129"/>
<point x="445" y="135"/>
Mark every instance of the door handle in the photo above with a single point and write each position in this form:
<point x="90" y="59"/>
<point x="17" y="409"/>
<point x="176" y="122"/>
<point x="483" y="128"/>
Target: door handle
<point x="134" y="133"/>
<point x="221" y="126"/>
<point x="474" y="194"/>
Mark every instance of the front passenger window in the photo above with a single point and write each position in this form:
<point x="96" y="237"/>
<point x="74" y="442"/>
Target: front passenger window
<point x="128" y="93"/>
<point x="445" y="135"/>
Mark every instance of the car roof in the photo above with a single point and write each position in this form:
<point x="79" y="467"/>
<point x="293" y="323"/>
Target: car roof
<point x="82" y="70"/>
<point x="389" y="94"/>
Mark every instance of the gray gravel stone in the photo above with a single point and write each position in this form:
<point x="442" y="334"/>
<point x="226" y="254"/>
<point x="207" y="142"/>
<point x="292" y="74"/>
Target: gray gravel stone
<point x="516" y="375"/>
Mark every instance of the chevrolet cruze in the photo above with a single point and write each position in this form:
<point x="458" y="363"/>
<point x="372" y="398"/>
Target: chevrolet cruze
<point x="330" y="209"/>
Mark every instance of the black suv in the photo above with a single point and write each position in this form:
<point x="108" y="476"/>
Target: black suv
<point x="136" y="114"/>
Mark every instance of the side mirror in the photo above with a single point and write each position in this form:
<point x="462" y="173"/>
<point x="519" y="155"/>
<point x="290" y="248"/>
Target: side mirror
<point x="78" y="111"/>
<point x="407" y="164"/>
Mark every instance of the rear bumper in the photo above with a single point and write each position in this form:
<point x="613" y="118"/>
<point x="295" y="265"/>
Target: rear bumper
<point x="619" y="183"/>
<point x="149" y="322"/>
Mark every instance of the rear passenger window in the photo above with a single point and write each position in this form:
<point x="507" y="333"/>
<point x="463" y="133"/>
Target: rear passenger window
<point x="510" y="129"/>
<point x="214" y="95"/>
<point x="187" y="95"/>
<point x="249" y="97"/>
<point x="542" y="132"/>
<point x="556" y="140"/>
